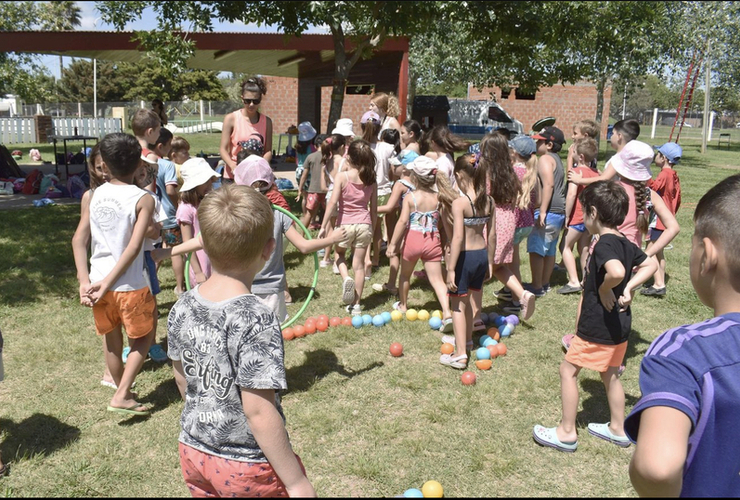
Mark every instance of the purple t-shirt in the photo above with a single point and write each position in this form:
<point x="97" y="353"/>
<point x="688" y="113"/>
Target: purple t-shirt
<point x="189" y="214"/>
<point x="696" y="370"/>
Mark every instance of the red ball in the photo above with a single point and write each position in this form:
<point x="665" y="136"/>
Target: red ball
<point x="335" y="321"/>
<point x="493" y="350"/>
<point x="396" y="349"/>
<point x="310" y="327"/>
<point x="501" y="349"/>
<point x="322" y="325"/>
<point x="299" y="331"/>
<point x="468" y="378"/>
<point x="288" y="334"/>
<point x="324" y="317"/>
<point x="311" y="318"/>
<point x="347" y="321"/>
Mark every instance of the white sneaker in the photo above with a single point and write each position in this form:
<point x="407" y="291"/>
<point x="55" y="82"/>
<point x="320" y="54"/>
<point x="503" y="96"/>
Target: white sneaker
<point x="348" y="290"/>
<point x="323" y="263"/>
<point x="355" y="310"/>
<point x="335" y="269"/>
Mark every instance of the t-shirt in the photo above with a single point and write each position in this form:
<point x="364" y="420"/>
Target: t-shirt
<point x="224" y="347"/>
<point x="158" y="215"/>
<point x="383" y="153"/>
<point x="276" y="197"/>
<point x="313" y="165"/>
<point x="270" y="279"/>
<point x="187" y="213"/>
<point x="577" y="216"/>
<point x="445" y="163"/>
<point x="696" y="370"/>
<point x="596" y="324"/>
<point x="167" y="176"/>
<point x="668" y="187"/>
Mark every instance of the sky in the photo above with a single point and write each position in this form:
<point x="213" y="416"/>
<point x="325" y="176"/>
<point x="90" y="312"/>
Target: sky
<point x="90" y="21"/>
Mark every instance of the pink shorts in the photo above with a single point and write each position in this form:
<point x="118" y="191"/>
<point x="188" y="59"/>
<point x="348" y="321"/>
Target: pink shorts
<point x="424" y="246"/>
<point x="211" y="476"/>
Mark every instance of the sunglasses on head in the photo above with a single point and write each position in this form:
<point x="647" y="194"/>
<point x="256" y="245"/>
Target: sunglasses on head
<point x="251" y="101"/>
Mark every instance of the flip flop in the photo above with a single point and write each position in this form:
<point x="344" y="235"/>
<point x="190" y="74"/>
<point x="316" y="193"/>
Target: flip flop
<point x="602" y="431"/>
<point x="547" y="436"/>
<point x="130" y="409"/>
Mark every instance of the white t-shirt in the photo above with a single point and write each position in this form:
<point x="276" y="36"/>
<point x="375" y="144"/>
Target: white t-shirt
<point x="383" y="153"/>
<point x="446" y="164"/>
<point x="159" y="215"/>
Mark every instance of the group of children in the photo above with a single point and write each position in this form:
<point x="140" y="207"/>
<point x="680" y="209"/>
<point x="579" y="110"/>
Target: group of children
<point x="464" y="218"/>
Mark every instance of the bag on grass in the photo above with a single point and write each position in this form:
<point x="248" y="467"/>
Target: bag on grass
<point x="6" y="187"/>
<point x="33" y="182"/>
<point x="76" y="187"/>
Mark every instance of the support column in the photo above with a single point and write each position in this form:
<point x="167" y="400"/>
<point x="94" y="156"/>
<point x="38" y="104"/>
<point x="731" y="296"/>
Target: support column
<point x="403" y="86"/>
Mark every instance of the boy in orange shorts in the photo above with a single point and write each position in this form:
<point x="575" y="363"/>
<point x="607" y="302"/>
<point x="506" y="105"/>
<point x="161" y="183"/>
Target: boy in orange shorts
<point x="605" y="319"/>
<point x="116" y="287"/>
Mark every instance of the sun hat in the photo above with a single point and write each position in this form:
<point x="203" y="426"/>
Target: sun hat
<point x="195" y="172"/>
<point x="150" y="162"/>
<point x="252" y="169"/>
<point x="523" y="145"/>
<point x="370" y="115"/>
<point x="423" y="166"/>
<point x="671" y="151"/>
<point x="344" y="127"/>
<point x="306" y="132"/>
<point x="633" y="162"/>
<point x="550" y="134"/>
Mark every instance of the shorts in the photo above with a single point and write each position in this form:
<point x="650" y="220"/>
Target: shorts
<point x="470" y="271"/>
<point x="298" y="174"/>
<point x="151" y="270"/>
<point x="358" y="236"/>
<point x="597" y="357"/>
<point x="276" y="302"/>
<point x="581" y="228"/>
<point x="544" y="240"/>
<point x="315" y="200"/>
<point x="382" y="200"/>
<point x="172" y="236"/>
<point x="655" y="234"/>
<point x="424" y="246"/>
<point x="520" y="233"/>
<point x="134" y="310"/>
<point x="211" y="476"/>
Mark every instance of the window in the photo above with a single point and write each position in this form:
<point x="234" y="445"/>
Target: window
<point x="360" y="89"/>
<point x="505" y="93"/>
<point x="521" y="95"/>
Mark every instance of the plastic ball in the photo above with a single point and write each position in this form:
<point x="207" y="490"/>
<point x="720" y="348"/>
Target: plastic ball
<point x="483" y="339"/>
<point x="396" y="315"/>
<point x="468" y="378"/>
<point x="335" y="321"/>
<point x="496" y="335"/>
<point x="311" y="318"/>
<point x="423" y="315"/>
<point x="499" y="320"/>
<point x="506" y="330"/>
<point x="489" y="341"/>
<point x="482" y="353"/>
<point x="357" y="321"/>
<point x="447" y="348"/>
<point x="324" y="317"/>
<point x="322" y="325"/>
<point x="493" y="350"/>
<point x="413" y="493"/>
<point x="484" y="364"/>
<point x="347" y="321"/>
<point x="501" y="347"/>
<point x="484" y="318"/>
<point x="435" y="323"/>
<point x="492" y="331"/>
<point x="513" y="319"/>
<point x="367" y="319"/>
<point x="387" y="317"/>
<point x="396" y="349"/>
<point x="288" y="334"/>
<point x="310" y="327"/>
<point x="378" y="320"/>
<point x="299" y="331"/>
<point x="432" y="489"/>
<point x="412" y="315"/>
<point x="437" y="314"/>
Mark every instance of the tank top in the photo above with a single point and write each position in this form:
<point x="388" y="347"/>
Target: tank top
<point x="353" y="203"/>
<point x="243" y="131"/>
<point x="557" y="203"/>
<point x="629" y="227"/>
<point x="423" y="222"/>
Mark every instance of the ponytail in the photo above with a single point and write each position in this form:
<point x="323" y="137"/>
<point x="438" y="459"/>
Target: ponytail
<point x="529" y="184"/>
<point x="642" y="195"/>
<point x="329" y="145"/>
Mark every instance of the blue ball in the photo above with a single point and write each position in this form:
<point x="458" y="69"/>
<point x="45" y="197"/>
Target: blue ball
<point x="483" y="339"/>
<point x="513" y="319"/>
<point x="378" y="320"/>
<point x="386" y="317"/>
<point x="357" y="321"/>
<point x="366" y="319"/>
<point x="435" y="322"/>
<point x="506" y="330"/>
<point x="413" y="492"/>
<point x="489" y="341"/>
<point x="499" y="320"/>
<point x="484" y="318"/>
<point x="482" y="353"/>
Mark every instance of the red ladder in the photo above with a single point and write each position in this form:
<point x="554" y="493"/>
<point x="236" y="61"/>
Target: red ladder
<point x="694" y="68"/>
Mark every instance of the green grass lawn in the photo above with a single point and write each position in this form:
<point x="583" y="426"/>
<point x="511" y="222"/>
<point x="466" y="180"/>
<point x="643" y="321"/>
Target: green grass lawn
<point x="364" y="423"/>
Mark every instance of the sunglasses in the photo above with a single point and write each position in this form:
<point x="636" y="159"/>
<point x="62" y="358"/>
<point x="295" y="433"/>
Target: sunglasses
<point x="251" y="101"/>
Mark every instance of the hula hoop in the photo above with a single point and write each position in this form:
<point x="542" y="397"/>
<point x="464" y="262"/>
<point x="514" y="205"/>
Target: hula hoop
<point x="311" y="292"/>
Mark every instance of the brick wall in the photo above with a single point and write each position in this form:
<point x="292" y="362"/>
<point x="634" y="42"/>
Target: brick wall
<point x="281" y="102"/>
<point x="567" y="103"/>
<point x="354" y="107"/>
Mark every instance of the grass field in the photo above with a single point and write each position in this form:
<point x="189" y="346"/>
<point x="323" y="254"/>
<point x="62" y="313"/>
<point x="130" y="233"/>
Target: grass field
<point x="364" y="423"/>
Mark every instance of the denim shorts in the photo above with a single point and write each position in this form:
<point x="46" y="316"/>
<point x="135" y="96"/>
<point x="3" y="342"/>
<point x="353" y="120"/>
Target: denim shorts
<point x="544" y="240"/>
<point x="520" y="233"/>
<point x="581" y="228"/>
<point x="151" y="268"/>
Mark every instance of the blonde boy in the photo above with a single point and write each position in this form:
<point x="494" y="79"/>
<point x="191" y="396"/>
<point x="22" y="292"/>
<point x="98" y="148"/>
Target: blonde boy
<point x="145" y="125"/>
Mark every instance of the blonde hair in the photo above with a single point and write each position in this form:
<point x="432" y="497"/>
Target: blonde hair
<point x="179" y="145"/>
<point x="588" y="128"/>
<point x="529" y="183"/>
<point x="388" y="103"/>
<point x="236" y="222"/>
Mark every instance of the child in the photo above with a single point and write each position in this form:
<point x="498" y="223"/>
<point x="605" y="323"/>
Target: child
<point x="179" y="154"/>
<point x="310" y="184"/>
<point x="684" y="426"/>
<point x="332" y="149"/>
<point x="470" y="254"/>
<point x="145" y="125"/>
<point x="583" y="129"/>
<point x="303" y="148"/>
<point x="198" y="177"/>
<point x="270" y="283"/>
<point x="254" y="147"/>
<point x="419" y="223"/>
<point x="331" y="169"/>
<point x="115" y="287"/>
<point x="668" y="187"/>
<point x="353" y="190"/>
<point x="605" y="318"/>
<point x="576" y="234"/>
<point x="549" y="218"/>
<point x="623" y="132"/>
<point x="444" y="143"/>
<point x="410" y="150"/>
<point x="222" y="329"/>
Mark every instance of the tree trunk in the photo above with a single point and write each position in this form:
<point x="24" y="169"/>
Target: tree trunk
<point x="600" y="85"/>
<point x="339" y="83"/>
<point x="412" y="94"/>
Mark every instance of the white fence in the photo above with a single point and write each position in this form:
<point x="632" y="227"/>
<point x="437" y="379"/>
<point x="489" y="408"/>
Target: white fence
<point x="20" y="130"/>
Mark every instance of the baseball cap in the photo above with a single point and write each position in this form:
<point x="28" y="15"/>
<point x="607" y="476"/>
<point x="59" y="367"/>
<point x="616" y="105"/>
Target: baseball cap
<point x="195" y="172"/>
<point x="633" y="162"/>
<point x="344" y="127"/>
<point x="255" y="145"/>
<point x="523" y="145"/>
<point x="423" y="166"/>
<point x="550" y="134"/>
<point x="306" y="132"/>
<point x="671" y="151"/>
<point x="252" y="169"/>
<point x="370" y="115"/>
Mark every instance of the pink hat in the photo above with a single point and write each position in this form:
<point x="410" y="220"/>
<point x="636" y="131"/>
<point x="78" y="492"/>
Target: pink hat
<point x="370" y="116"/>
<point x="252" y="169"/>
<point x="633" y="162"/>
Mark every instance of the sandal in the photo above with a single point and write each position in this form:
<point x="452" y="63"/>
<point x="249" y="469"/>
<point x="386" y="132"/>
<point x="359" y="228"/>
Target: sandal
<point x="383" y="287"/>
<point x="547" y="436"/>
<point x="460" y="362"/>
<point x="479" y="326"/>
<point x="446" y="326"/>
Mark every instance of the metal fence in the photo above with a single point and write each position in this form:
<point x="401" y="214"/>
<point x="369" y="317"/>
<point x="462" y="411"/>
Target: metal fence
<point x="22" y="130"/>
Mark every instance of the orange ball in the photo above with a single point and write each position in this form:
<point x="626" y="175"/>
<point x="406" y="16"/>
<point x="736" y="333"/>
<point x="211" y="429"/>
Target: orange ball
<point x="501" y="348"/>
<point x="347" y="321"/>
<point x="493" y="350"/>
<point x="484" y="364"/>
<point x="468" y="378"/>
<point x="447" y="348"/>
<point x="310" y="327"/>
<point x="311" y="318"/>
<point x="496" y="335"/>
<point x="335" y="321"/>
<point x="324" y="317"/>
<point x="288" y="334"/>
<point x="492" y="331"/>
<point x="396" y="349"/>
<point x="322" y="325"/>
<point x="300" y="331"/>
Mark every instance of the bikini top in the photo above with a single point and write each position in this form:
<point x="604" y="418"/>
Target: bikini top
<point x="475" y="220"/>
<point x="424" y="222"/>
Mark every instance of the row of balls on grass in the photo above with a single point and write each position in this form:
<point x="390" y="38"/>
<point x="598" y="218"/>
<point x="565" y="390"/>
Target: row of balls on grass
<point x="430" y="489"/>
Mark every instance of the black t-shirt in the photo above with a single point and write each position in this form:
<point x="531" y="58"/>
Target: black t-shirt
<point x="596" y="324"/>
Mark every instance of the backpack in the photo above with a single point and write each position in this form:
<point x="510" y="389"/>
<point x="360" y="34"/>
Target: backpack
<point x="76" y="187"/>
<point x="33" y="182"/>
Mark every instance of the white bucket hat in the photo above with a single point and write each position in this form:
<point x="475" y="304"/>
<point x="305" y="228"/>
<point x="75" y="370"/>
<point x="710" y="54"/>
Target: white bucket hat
<point x="306" y="132"/>
<point x="344" y="127"/>
<point x="633" y="162"/>
<point x="195" y="172"/>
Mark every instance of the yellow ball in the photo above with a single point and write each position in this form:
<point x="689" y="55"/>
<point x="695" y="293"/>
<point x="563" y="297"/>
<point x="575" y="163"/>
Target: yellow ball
<point x="432" y="489"/>
<point x="437" y="314"/>
<point x="423" y="315"/>
<point x="396" y="315"/>
<point x="411" y="314"/>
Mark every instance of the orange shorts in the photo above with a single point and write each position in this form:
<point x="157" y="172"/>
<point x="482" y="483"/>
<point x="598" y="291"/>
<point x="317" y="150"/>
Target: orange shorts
<point x="211" y="476"/>
<point x="134" y="310"/>
<point x="598" y="357"/>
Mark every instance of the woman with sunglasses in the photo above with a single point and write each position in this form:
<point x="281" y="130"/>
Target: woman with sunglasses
<point x="242" y="124"/>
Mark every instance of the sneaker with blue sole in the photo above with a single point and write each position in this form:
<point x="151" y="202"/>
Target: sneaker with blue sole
<point x="124" y="354"/>
<point x="157" y="354"/>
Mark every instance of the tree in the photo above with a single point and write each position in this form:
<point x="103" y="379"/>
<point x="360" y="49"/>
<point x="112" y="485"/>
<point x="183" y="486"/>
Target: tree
<point x="61" y="16"/>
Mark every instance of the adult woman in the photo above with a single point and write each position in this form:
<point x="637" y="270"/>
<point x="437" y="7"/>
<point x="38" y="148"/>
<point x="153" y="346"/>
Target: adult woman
<point x="158" y="108"/>
<point x="387" y="108"/>
<point x="243" y="123"/>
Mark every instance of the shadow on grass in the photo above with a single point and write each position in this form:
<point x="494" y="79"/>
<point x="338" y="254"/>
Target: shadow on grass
<point x="160" y="398"/>
<point x="38" y="434"/>
<point x="595" y="406"/>
<point x="318" y="365"/>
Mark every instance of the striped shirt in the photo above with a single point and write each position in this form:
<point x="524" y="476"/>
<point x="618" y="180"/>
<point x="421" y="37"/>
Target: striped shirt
<point x="695" y="369"/>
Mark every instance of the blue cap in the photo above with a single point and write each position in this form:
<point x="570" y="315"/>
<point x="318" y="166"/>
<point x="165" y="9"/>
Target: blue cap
<point x="474" y="148"/>
<point x="671" y="151"/>
<point x="523" y="145"/>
